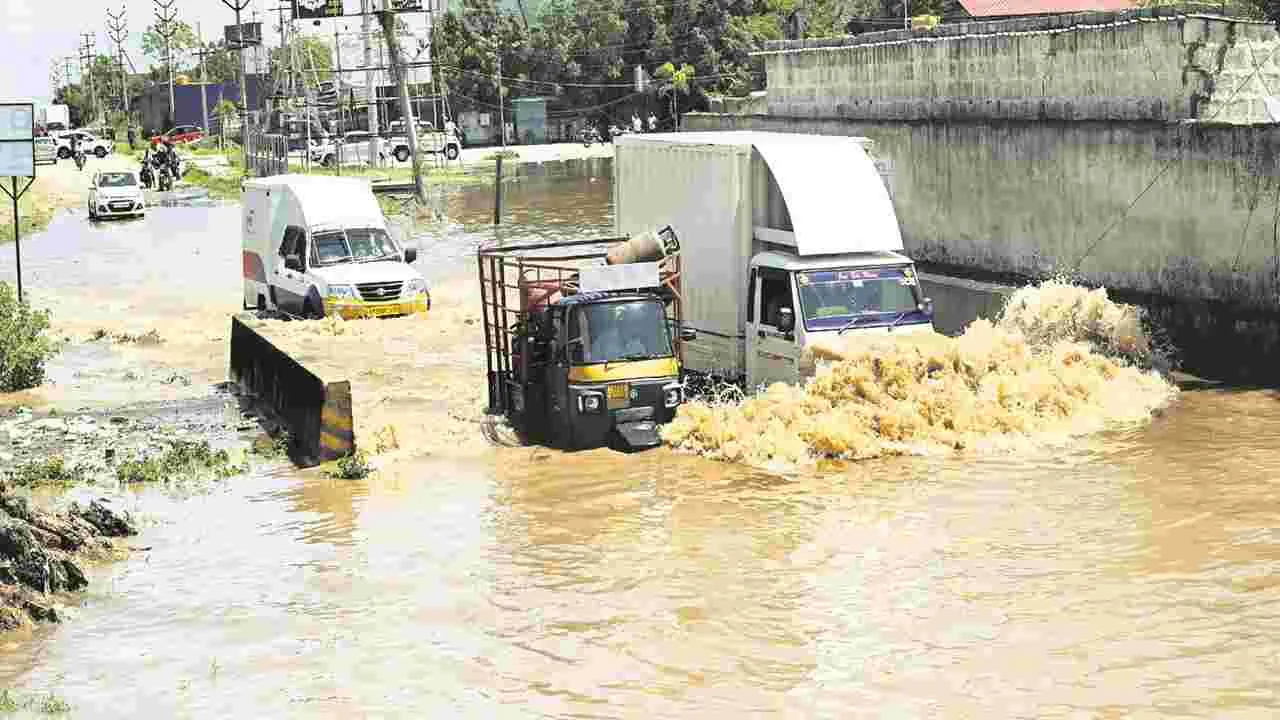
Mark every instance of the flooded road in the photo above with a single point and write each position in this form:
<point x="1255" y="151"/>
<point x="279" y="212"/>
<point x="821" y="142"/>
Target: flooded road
<point x="1132" y="573"/>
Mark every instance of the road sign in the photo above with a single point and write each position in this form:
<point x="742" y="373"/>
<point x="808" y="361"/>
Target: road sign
<point x="17" y="140"/>
<point x="308" y="9"/>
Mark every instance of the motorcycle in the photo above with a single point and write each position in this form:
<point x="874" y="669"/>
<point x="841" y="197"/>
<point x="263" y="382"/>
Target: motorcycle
<point x="589" y="136"/>
<point x="80" y="159"/>
<point x="165" y="179"/>
<point x="146" y="176"/>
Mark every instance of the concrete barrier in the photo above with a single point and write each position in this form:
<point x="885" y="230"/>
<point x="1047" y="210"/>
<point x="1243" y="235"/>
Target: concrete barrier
<point x="958" y="302"/>
<point x="316" y="411"/>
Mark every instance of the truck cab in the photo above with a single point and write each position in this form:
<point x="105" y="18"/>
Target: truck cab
<point x="580" y="357"/>
<point x="794" y="302"/>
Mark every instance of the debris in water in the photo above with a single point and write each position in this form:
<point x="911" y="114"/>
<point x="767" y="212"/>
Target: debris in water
<point x="1062" y="360"/>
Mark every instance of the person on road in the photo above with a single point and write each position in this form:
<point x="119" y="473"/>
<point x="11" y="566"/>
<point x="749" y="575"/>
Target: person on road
<point x="653" y="123"/>
<point x="636" y="125"/>
<point x="133" y="136"/>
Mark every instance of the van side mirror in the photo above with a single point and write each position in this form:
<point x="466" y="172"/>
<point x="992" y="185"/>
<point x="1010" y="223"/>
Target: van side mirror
<point x="410" y="255"/>
<point x="688" y="334"/>
<point x="293" y="262"/>
<point x="786" y="320"/>
<point x="927" y="306"/>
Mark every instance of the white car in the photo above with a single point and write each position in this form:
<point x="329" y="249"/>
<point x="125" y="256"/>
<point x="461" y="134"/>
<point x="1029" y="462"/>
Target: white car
<point x="355" y="150"/>
<point x="91" y="144"/>
<point x="116" y="193"/>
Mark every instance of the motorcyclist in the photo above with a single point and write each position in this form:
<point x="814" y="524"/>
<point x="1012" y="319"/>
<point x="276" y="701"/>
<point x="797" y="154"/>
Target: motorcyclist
<point x="75" y="151"/>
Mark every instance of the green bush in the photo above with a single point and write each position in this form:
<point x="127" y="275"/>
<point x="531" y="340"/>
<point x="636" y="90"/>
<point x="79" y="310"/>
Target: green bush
<point x="24" y="347"/>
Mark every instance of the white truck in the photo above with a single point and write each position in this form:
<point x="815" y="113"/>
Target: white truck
<point x="316" y="246"/>
<point x="786" y="240"/>
<point x="55" y="118"/>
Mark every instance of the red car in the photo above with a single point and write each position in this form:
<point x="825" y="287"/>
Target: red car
<point x="181" y="134"/>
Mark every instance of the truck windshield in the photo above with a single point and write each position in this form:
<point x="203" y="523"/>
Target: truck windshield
<point x="617" y="331"/>
<point x="331" y="247"/>
<point x="832" y="298"/>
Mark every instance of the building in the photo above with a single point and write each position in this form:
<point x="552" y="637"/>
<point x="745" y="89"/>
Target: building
<point x="999" y="9"/>
<point x="152" y="106"/>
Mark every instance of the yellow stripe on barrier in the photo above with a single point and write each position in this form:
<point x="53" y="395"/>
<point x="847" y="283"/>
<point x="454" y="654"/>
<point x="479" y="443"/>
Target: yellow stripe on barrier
<point x="332" y="418"/>
<point x="633" y="370"/>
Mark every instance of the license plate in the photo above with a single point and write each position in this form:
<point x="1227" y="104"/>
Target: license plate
<point x="618" y="391"/>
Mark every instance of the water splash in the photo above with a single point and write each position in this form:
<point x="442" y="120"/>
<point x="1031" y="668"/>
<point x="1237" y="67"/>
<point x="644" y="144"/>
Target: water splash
<point x="1061" y="361"/>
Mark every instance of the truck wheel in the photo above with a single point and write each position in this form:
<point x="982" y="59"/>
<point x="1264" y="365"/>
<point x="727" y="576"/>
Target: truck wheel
<point x="329" y="161"/>
<point x="310" y="311"/>
<point x="402" y="154"/>
<point x="100" y="152"/>
<point x="451" y="152"/>
<point x="63" y="153"/>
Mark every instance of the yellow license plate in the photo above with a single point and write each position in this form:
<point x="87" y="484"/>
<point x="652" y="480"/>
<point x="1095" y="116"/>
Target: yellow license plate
<point x="618" y="391"/>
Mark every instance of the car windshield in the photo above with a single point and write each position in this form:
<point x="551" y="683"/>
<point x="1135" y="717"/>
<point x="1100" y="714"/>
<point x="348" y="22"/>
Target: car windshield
<point x="331" y="247"/>
<point x="117" y="179"/>
<point x="831" y="299"/>
<point x="614" y="331"/>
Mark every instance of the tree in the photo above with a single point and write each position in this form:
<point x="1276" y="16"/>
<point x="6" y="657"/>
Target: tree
<point x="221" y="65"/>
<point x="310" y="56"/>
<point x="184" y="40"/>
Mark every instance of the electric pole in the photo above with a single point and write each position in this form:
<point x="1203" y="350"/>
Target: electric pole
<point x="371" y="92"/>
<point x="86" y="57"/>
<point x="237" y="6"/>
<point x="165" y="15"/>
<point x="406" y="108"/>
<point x="118" y="29"/>
<point x="502" y="105"/>
<point x="203" y="52"/>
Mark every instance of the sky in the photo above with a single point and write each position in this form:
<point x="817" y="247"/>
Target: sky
<point x="34" y="33"/>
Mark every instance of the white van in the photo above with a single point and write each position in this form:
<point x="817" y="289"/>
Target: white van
<point x="316" y="246"/>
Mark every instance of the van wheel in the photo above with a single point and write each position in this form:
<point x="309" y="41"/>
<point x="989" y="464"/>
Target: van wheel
<point x="329" y="161"/>
<point x="451" y="152"/>
<point x="63" y="153"/>
<point x="310" y="311"/>
<point x="100" y="151"/>
<point x="262" y="304"/>
<point x="402" y="154"/>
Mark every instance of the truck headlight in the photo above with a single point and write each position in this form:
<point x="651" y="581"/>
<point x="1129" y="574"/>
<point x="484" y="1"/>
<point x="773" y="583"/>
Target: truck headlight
<point x="414" y="287"/>
<point x="590" y="402"/>
<point x="672" y="395"/>
<point x="343" y="291"/>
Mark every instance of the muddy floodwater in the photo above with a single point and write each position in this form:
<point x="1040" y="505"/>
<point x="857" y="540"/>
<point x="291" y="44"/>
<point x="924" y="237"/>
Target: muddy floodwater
<point x="1131" y="573"/>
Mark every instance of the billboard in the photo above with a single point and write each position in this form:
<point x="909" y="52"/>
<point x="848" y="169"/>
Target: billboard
<point x="252" y="33"/>
<point x="17" y="140"/>
<point x="316" y="9"/>
<point x="435" y="6"/>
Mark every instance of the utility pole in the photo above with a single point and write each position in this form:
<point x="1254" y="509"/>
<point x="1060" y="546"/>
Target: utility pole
<point x="502" y="105"/>
<point x="406" y="108"/>
<point x="237" y="6"/>
<point x="118" y="29"/>
<point x="86" y="57"/>
<point x="165" y="15"/>
<point x="203" y="52"/>
<point x="337" y="98"/>
<point x="371" y="93"/>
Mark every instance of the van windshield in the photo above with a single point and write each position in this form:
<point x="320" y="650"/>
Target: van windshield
<point x="117" y="179"/>
<point x="830" y="299"/>
<point x="332" y="247"/>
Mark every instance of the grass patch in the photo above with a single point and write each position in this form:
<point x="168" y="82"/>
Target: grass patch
<point x="24" y="346"/>
<point x="49" y="471"/>
<point x="351" y="467"/>
<point x="182" y="459"/>
<point x="35" y="209"/>
<point x="45" y="703"/>
<point x="504" y="154"/>
<point x="222" y="187"/>
<point x="150" y="337"/>
<point x="273" y="446"/>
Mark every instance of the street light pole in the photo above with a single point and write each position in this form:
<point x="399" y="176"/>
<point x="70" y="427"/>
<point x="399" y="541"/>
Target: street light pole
<point x="237" y="6"/>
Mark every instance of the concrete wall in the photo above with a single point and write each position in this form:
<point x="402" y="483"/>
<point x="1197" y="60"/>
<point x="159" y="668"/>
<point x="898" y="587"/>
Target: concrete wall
<point x="1032" y="199"/>
<point x="1141" y="65"/>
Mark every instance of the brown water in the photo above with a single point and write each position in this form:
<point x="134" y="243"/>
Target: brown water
<point x="1130" y="573"/>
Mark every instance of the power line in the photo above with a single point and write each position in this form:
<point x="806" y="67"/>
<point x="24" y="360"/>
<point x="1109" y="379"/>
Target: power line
<point x="1167" y="166"/>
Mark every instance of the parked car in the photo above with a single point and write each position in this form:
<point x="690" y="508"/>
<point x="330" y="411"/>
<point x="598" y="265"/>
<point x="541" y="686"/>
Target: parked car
<point x="429" y="141"/>
<point x="90" y="144"/>
<point x="46" y="150"/>
<point x="182" y="135"/>
<point x="354" y="150"/>
<point x="117" y="193"/>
